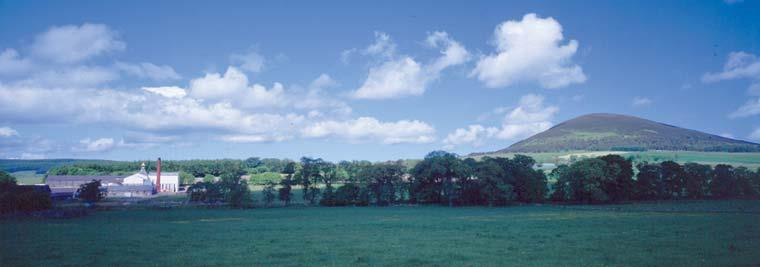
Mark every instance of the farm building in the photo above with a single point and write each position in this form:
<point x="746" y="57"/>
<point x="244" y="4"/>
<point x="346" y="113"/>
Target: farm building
<point x="140" y="184"/>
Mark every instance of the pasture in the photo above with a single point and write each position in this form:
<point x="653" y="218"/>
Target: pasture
<point x="702" y="233"/>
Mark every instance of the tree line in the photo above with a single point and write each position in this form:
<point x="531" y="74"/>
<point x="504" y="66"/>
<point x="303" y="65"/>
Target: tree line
<point x="611" y="179"/>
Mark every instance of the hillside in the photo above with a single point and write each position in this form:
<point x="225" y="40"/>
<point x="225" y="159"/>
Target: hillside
<point x="601" y="131"/>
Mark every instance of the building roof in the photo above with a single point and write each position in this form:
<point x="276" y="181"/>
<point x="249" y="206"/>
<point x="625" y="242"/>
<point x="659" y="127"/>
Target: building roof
<point x="153" y="174"/>
<point x="85" y="178"/>
<point x="130" y="188"/>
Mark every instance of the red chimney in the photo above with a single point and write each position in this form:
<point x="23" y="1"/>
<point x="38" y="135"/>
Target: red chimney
<point x="158" y="176"/>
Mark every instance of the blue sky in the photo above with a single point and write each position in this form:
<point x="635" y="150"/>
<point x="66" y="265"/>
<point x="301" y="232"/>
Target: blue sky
<point x="347" y="80"/>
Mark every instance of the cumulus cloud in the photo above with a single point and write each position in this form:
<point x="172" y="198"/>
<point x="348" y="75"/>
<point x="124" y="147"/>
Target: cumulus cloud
<point x="640" y="101"/>
<point x="12" y="63"/>
<point x="473" y="134"/>
<point x="95" y="145"/>
<point x="167" y="91"/>
<point x="251" y="61"/>
<point x="76" y="76"/>
<point x="253" y="138"/>
<point x="530" y="50"/>
<point x="401" y="76"/>
<point x="7" y="132"/>
<point x="529" y="117"/>
<point x="72" y="43"/>
<point x="233" y="87"/>
<point x="368" y="128"/>
<point x="148" y="70"/>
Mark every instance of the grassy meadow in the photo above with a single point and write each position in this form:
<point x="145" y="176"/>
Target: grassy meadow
<point x="28" y="177"/>
<point x="704" y="233"/>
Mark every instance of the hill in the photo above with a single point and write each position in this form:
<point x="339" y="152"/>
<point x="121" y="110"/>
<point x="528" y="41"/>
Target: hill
<point x="614" y="132"/>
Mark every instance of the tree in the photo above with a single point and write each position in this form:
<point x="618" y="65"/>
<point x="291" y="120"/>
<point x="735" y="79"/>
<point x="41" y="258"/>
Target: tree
<point x="620" y="170"/>
<point x="235" y="190"/>
<point x="673" y="179"/>
<point x="186" y="178"/>
<point x="253" y="162"/>
<point x="493" y="182"/>
<point x="562" y="189"/>
<point x="269" y="193"/>
<point x="312" y="171"/>
<point x="434" y="177"/>
<point x="745" y="179"/>
<point x="697" y="179"/>
<point x="383" y="181"/>
<point x="284" y="194"/>
<point x="206" y="192"/>
<point x="723" y="184"/>
<point x="348" y="194"/>
<point x="90" y="192"/>
<point x="587" y="178"/>
<point x="7" y="181"/>
<point x="649" y="182"/>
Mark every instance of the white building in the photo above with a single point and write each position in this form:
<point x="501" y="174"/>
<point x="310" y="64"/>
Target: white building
<point x="169" y="181"/>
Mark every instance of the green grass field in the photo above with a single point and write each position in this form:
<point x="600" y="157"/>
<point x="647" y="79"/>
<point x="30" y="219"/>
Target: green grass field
<point x="670" y="234"/>
<point x="28" y="177"/>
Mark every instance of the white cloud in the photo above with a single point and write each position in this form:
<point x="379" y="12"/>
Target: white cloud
<point x="233" y="87"/>
<point x="253" y="138"/>
<point x="216" y="85"/>
<point x="96" y="145"/>
<point x="473" y="134"/>
<point x="739" y="65"/>
<point x="251" y="61"/>
<point x="529" y="117"/>
<point x="78" y="76"/>
<point x="12" y="63"/>
<point x="728" y="135"/>
<point x="641" y="101"/>
<point x="403" y="76"/>
<point x="751" y="108"/>
<point x="383" y="46"/>
<point x="530" y="50"/>
<point x="7" y="132"/>
<point x="396" y="78"/>
<point x="148" y="70"/>
<point x="368" y="128"/>
<point x="167" y="91"/>
<point x="71" y="43"/>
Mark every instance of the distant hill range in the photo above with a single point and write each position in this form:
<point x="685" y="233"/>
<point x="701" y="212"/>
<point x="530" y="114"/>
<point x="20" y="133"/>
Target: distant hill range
<point x="604" y="132"/>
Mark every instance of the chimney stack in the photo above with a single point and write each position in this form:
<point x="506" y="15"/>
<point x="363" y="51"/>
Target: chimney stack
<point x="158" y="176"/>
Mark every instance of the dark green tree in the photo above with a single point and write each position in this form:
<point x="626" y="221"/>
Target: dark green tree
<point x="90" y="192"/>
<point x="723" y="184"/>
<point x="494" y="185"/>
<point x="697" y="180"/>
<point x="286" y="185"/>
<point x="649" y="184"/>
<point x="269" y="193"/>
<point x="673" y="179"/>
<point x="434" y="177"/>
<point x="620" y="170"/>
